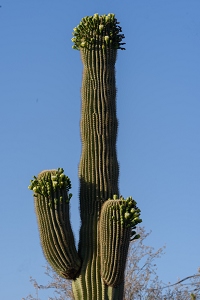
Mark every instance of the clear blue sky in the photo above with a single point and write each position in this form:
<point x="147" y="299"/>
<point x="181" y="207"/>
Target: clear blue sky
<point x="158" y="101"/>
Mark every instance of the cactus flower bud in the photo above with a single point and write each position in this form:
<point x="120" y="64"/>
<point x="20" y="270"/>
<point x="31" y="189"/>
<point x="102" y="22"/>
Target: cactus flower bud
<point x="137" y="236"/>
<point x="126" y="215"/>
<point x="55" y="183"/>
<point x="101" y="27"/>
<point x="96" y="16"/>
<point x="106" y="38"/>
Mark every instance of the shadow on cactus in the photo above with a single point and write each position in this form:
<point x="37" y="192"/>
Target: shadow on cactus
<point x="108" y="222"/>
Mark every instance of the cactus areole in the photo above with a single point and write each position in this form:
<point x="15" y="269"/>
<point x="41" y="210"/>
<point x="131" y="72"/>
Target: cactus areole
<point x="108" y="221"/>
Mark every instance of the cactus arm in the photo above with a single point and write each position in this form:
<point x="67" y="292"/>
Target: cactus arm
<point x="52" y="209"/>
<point x="118" y="217"/>
<point x="47" y="234"/>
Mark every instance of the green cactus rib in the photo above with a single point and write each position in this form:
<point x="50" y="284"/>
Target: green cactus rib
<point x="52" y="209"/>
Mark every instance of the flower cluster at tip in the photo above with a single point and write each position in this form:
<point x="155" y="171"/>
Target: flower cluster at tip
<point x="129" y="215"/>
<point x="98" y="31"/>
<point x="50" y="183"/>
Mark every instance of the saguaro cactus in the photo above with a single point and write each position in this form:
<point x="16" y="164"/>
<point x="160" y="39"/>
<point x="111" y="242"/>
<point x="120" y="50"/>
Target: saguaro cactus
<point x="108" y="221"/>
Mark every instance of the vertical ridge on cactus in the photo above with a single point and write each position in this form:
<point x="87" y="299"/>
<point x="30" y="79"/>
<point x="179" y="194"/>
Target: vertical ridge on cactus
<point x="107" y="220"/>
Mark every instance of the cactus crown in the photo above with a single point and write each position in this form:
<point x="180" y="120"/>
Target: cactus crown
<point x="98" y="31"/>
<point x="49" y="182"/>
<point x="129" y="214"/>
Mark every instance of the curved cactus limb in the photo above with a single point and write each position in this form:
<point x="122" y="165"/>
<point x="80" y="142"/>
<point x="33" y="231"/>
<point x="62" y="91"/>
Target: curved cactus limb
<point x="52" y="209"/>
<point x="118" y="219"/>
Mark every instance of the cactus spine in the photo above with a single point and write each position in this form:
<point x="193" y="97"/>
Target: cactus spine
<point x="107" y="224"/>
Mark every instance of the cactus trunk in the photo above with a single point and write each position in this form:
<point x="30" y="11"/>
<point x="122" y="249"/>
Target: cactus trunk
<point x="98" y="170"/>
